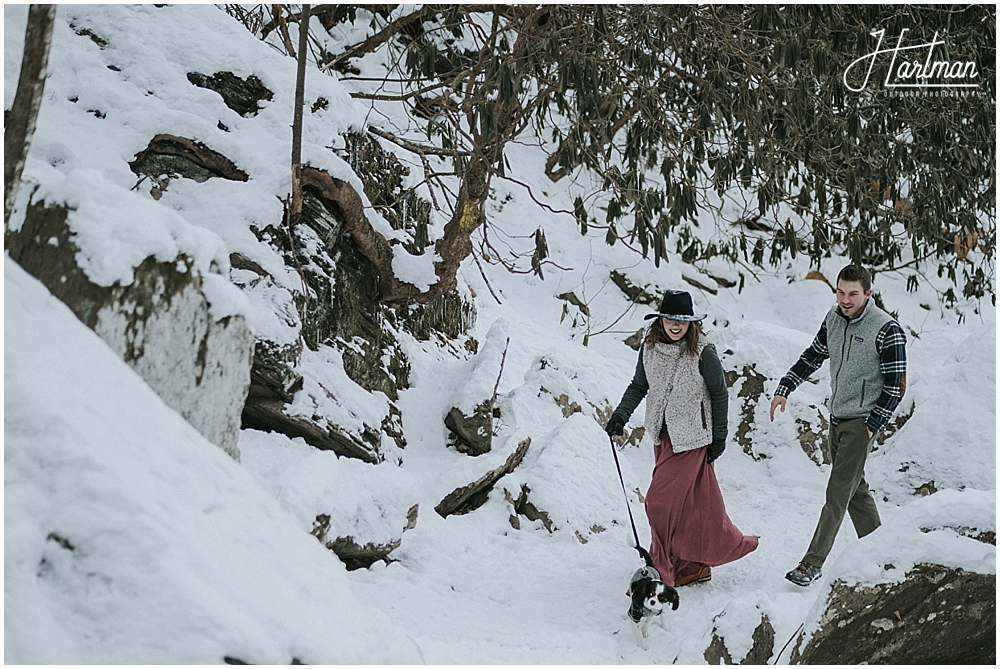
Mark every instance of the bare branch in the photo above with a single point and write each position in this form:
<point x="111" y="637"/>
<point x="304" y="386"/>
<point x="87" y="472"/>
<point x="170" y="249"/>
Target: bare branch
<point x="379" y="38"/>
<point x="419" y="149"/>
<point x="398" y="98"/>
<point x="539" y="203"/>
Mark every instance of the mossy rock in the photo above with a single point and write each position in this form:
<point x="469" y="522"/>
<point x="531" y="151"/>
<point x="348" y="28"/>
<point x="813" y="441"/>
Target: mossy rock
<point x="342" y="308"/>
<point x="243" y="96"/>
<point x="160" y="324"/>
<point x="382" y="177"/>
<point x="169" y="157"/>
<point x="936" y="615"/>
<point x="448" y="315"/>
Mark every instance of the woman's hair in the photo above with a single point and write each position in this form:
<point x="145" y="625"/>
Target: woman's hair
<point x="657" y="335"/>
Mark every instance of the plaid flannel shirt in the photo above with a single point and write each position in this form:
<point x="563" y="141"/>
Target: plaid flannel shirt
<point x="891" y="346"/>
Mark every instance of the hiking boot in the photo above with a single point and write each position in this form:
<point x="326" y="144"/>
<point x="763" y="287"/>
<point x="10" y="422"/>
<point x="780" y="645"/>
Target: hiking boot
<point x="804" y="574"/>
<point x="703" y="575"/>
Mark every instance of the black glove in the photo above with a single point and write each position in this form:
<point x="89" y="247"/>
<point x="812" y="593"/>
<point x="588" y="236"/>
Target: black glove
<point x="615" y="426"/>
<point x="715" y="450"/>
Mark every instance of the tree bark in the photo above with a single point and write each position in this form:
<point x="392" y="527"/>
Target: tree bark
<point x="19" y="129"/>
<point x="295" y="211"/>
<point x="456" y="243"/>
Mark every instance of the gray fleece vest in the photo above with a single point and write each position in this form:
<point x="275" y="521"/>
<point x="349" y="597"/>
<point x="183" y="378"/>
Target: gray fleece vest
<point x="855" y="375"/>
<point x="677" y="396"/>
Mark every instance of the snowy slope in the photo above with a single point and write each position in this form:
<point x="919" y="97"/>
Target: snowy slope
<point x="181" y="555"/>
<point x="128" y="538"/>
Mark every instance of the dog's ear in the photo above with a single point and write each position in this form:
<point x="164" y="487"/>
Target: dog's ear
<point x="673" y="598"/>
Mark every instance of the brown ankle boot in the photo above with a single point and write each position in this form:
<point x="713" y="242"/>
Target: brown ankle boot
<point x="703" y="575"/>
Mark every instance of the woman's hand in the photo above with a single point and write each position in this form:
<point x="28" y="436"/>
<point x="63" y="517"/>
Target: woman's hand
<point x="715" y="449"/>
<point x="615" y="426"/>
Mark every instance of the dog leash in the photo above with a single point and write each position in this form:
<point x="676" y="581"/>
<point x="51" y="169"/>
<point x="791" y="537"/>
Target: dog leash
<point x="638" y="546"/>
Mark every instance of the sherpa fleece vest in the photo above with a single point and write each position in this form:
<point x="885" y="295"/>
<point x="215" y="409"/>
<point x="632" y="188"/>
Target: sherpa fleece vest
<point x="855" y="375"/>
<point x="677" y="396"/>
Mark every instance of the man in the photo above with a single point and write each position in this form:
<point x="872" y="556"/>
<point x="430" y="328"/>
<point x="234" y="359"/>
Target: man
<point x="867" y="351"/>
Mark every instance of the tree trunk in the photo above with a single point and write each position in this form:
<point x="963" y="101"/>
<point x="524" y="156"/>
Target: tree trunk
<point x="300" y="84"/>
<point x="456" y="243"/>
<point x="20" y="127"/>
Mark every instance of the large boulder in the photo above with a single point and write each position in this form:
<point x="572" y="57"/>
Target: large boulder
<point x="173" y="322"/>
<point x="566" y="389"/>
<point x="333" y="312"/>
<point x="919" y="590"/>
<point x="755" y="356"/>
<point x="936" y="615"/>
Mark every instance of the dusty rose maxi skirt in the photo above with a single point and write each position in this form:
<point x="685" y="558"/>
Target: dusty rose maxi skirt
<point x="687" y="516"/>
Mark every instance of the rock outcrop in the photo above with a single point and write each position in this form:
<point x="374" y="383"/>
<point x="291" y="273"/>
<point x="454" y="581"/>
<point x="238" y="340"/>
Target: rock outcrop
<point x="169" y="157"/>
<point x="356" y="555"/>
<point x="243" y="96"/>
<point x="161" y="323"/>
<point x="937" y="615"/>
<point x="472" y="496"/>
<point x="336" y="310"/>
<point x="337" y="307"/>
<point x="760" y="652"/>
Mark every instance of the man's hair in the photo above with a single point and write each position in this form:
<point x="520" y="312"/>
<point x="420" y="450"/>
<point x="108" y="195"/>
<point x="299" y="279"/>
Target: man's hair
<point x="856" y="273"/>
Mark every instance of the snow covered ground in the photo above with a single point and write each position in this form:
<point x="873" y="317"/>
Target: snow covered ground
<point x="129" y="538"/>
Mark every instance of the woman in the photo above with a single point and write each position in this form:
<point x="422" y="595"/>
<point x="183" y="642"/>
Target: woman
<point x="687" y="404"/>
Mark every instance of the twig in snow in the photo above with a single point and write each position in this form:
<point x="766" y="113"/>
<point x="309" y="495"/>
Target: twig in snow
<point x="503" y="358"/>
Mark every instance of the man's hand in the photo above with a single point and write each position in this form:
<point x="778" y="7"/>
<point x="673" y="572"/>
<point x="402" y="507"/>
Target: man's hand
<point x="778" y="401"/>
<point x="870" y="434"/>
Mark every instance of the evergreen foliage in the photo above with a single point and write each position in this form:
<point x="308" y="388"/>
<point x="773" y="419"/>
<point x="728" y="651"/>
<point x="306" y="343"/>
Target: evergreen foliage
<point x="737" y="115"/>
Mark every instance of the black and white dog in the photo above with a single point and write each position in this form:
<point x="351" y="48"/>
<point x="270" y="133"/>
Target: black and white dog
<point x="649" y="596"/>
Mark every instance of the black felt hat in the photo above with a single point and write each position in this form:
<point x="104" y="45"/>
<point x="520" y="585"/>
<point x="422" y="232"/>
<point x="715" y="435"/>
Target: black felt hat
<point x="676" y="306"/>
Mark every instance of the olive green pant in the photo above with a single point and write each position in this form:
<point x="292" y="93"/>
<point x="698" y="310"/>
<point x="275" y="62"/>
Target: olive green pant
<point x="846" y="491"/>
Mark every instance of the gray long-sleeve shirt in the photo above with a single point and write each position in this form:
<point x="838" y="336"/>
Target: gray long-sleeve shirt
<point x="715" y="380"/>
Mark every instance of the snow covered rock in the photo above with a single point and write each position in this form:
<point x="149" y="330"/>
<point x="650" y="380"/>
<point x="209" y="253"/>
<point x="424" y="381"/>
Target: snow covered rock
<point x="175" y="320"/>
<point x="335" y="314"/>
<point x="917" y="621"/>
<point x="907" y="592"/>
<point x="470" y="497"/>
<point x="128" y="540"/>
<point x="760" y="652"/>
<point x="471" y="416"/>
<point x="241" y="95"/>
<point x="357" y="510"/>
<point x="943" y="433"/>
<point x="169" y="156"/>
